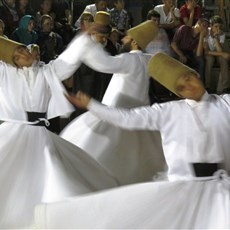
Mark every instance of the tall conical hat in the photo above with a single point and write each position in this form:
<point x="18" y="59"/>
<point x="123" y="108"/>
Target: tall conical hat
<point x="102" y="18"/>
<point x="101" y="23"/>
<point x="166" y="70"/>
<point x="7" y="49"/>
<point x="144" y="33"/>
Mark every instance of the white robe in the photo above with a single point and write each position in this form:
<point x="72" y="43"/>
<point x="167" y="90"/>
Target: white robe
<point x="37" y="165"/>
<point x="191" y="132"/>
<point x="130" y="156"/>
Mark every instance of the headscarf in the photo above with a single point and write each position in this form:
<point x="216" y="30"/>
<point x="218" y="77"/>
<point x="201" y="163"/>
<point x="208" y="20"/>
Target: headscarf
<point x="26" y="37"/>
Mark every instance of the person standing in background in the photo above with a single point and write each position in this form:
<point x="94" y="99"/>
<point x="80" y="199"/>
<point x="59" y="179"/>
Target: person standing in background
<point x="99" y="5"/>
<point x="169" y="17"/>
<point x="119" y="16"/>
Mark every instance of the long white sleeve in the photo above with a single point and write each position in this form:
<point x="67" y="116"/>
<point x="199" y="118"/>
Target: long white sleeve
<point x="142" y="118"/>
<point x="71" y="58"/>
<point x="100" y="60"/>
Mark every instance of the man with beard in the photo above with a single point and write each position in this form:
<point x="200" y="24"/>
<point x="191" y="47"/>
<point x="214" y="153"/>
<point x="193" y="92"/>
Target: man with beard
<point x="129" y="156"/>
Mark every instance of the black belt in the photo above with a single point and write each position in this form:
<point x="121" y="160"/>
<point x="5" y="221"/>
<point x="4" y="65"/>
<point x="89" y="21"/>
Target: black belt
<point x="205" y="169"/>
<point x="34" y="116"/>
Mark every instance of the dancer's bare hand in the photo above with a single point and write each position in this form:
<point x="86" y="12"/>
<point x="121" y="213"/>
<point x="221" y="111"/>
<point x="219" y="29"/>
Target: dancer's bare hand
<point x="80" y="99"/>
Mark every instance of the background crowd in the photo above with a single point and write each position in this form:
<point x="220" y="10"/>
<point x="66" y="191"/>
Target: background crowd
<point x="187" y="31"/>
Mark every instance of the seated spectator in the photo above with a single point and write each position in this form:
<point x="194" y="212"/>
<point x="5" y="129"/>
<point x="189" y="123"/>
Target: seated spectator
<point x="187" y="44"/>
<point x="161" y="42"/>
<point x="45" y="8"/>
<point x="50" y="42"/>
<point x="2" y="29"/>
<point x="24" y="8"/>
<point x="63" y="20"/>
<point x="115" y="38"/>
<point x="99" y="5"/>
<point x="119" y="16"/>
<point x="62" y="10"/>
<point x="9" y="15"/>
<point x="25" y="32"/>
<point x="190" y="12"/>
<point x="215" y="50"/>
<point x="169" y="16"/>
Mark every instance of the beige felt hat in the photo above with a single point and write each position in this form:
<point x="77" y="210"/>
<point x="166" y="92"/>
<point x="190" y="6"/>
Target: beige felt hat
<point x="144" y="33"/>
<point x="7" y="49"/>
<point x="86" y="14"/>
<point x="101" y="23"/>
<point x="102" y="18"/>
<point x="166" y="70"/>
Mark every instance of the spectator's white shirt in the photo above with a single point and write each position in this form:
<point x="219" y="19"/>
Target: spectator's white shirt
<point x="166" y="19"/>
<point x="211" y="42"/>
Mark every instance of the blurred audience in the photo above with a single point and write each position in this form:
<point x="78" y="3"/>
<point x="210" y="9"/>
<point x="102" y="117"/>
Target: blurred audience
<point x="9" y="14"/>
<point x="24" y="8"/>
<point x="216" y="50"/>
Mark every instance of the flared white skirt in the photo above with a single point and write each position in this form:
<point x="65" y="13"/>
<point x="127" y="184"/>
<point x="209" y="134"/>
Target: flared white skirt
<point x="38" y="166"/>
<point x="197" y="204"/>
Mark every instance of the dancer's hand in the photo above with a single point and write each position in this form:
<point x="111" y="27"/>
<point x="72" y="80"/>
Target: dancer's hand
<point x="80" y="99"/>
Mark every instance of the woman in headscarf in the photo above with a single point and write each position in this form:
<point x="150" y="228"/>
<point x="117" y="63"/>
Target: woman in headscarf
<point x="25" y="32"/>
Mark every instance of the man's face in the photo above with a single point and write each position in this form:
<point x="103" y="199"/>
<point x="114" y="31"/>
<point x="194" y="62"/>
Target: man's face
<point x="203" y="25"/>
<point x="101" y="38"/>
<point x="169" y="3"/>
<point x="47" y="25"/>
<point x="126" y="44"/>
<point x="120" y="4"/>
<point x="190" y="86"/>
<point x="191" y="3"/>
<point x="114" y="36"/>
<point x="86" y="22"/>
<point x="216" y="28"/>
<point x="23" y="3"/>
<point x="156" y="20"/>
<point x="46" y="5"/>
<point x="101" y="5"/>
<point x="22" y="57"/>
